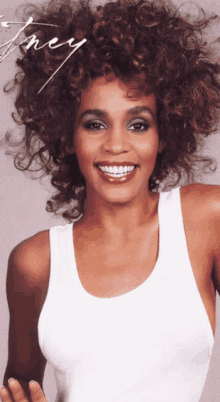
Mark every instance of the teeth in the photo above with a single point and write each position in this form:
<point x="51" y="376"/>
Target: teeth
<point x="116" y="171"/>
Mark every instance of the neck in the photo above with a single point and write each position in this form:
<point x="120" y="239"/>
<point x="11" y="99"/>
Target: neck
<point x="120" y="220"/>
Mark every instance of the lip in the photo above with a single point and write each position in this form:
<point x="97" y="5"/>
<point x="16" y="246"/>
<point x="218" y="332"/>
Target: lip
<point x="117" y="180"/>
<point x="107" y="163"/>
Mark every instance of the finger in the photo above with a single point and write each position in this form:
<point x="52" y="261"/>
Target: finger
<point x="4" y="394"/>
<point x="17" y="391"/>
<point x="37" y="394"/>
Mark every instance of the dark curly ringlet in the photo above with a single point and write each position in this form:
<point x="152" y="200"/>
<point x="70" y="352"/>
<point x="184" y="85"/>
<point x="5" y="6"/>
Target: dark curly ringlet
<point x="146" y="44"/>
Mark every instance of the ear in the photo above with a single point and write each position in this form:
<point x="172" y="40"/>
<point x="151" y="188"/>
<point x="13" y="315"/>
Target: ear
<point x="161" y="146"/>
<point x="70" y="149"/>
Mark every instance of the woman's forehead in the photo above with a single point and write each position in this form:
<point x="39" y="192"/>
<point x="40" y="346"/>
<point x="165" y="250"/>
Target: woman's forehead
<point x="114" y="94"/>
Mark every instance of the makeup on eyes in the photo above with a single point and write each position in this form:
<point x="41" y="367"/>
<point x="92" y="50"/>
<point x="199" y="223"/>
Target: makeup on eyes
<point x="139" y="121"/>
<point x="99" y="125"/>
<point x="88" y="122"/>
<point x="89" y="119"/>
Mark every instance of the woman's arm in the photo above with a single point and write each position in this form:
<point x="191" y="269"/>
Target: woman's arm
<point x="27" y="283"/>
<point x="201" y="212"/>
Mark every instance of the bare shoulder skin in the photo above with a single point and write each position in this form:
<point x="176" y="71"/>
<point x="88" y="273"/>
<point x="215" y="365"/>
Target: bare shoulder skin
<point x="27" y="283"/>
<point x="201" y="217"/>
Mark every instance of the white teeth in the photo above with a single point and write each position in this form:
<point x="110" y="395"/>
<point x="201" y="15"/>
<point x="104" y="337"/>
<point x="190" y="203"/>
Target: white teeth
<point x="116" y="171"/>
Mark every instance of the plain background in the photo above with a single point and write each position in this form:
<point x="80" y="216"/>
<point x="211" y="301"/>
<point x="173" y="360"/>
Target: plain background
<point x="22" y="203"/>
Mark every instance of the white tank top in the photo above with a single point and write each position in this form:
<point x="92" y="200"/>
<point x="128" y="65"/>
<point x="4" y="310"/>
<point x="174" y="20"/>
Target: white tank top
<point x="152" y="344"/>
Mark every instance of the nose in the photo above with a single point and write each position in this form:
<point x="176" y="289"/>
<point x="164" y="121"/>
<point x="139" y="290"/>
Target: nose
<point x="116" y="141"/>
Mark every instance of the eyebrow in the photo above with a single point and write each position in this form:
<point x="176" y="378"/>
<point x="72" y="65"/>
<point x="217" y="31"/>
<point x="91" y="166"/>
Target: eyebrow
<point x="102" y="113"/>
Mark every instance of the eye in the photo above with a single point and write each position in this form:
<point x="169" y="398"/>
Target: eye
<point x="139" y="126"/>
<point x="94" y="125"/>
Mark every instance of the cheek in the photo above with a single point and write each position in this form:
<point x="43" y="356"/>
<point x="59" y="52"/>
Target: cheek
<point x="86" y="153"/>
<point x="149" y="151"/>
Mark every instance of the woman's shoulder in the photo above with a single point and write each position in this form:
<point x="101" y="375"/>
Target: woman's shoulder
<point x="201" y="216"/>
<point x="30" y="260"/>
<point x="201" y="212"/>
<point x="202" y="198"/>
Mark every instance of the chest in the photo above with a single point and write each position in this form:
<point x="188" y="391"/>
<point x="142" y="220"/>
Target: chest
<point x="109" y="270"/>
<point x="129" y="341"/>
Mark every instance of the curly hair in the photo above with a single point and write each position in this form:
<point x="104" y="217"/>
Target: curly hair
<point x="146" y="44"/>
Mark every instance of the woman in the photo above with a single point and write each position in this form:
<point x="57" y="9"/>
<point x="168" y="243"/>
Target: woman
<point x="122" y="303"/>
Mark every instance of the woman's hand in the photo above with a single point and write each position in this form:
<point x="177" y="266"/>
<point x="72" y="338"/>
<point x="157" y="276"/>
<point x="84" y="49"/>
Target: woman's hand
<point x="18" y="394"/>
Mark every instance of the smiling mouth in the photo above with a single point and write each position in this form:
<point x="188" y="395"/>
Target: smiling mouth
<point x="116" y="171"/>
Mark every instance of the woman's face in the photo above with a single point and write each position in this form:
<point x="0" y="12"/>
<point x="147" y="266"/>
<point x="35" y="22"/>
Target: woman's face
<point x="116" y="141"/>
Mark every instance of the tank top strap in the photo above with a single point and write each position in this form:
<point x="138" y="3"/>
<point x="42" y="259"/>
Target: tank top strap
<point x="172" y="234"/>
<point x="175" y="255"/>
<point x="63" y="261"/>
<point x="59" y="282"/>
<point x="60" y="248"/>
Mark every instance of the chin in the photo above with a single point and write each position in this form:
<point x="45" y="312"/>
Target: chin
<point x="121" y="199"/>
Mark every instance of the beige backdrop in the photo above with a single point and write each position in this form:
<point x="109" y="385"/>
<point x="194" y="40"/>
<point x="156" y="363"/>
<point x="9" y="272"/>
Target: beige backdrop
<point x="22" y="207"/>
